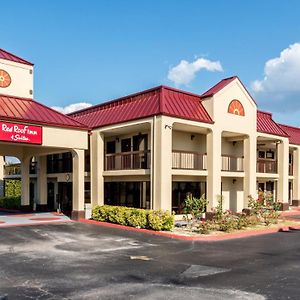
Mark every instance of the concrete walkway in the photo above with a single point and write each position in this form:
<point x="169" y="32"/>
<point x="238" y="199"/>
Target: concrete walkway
<point x="18" y="219"/>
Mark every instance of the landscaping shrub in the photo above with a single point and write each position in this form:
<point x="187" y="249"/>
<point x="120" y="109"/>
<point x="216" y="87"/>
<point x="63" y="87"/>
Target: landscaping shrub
<point x="12" y="187"/>
<point x="10" y="202"/>
<point x="137" y="218"/>
<point x="160" y="220"/>
<point x="195" y="206"/>
<point x="141" y="218"/>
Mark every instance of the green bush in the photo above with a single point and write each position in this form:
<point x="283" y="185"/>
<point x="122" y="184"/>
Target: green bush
<point x="137" y="218"/>
<point x="10" y="202"/>
<point x="195" y="206"/>
<point x="141" y="218"/>
<point x="160" y="220"/>
<point x="12" y="187"/>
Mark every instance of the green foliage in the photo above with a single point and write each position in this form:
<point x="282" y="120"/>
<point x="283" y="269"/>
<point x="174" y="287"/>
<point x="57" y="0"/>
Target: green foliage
<point x="10" y="202"/>
<point x="12" y="188"/>
<point x="195" y="206"/>
<point x="137" y="218"/>
<point x="265" y="209"/>
<point x="141" y="218"/>
<point x="160" y="220"/>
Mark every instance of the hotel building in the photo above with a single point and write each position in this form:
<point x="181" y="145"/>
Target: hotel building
<point x="149" y="149"/>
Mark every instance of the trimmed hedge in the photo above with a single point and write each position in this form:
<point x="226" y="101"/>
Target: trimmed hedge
<point x="12" y="187"/>
<point x="10" y="202"/>
<point x="135" y="217"/>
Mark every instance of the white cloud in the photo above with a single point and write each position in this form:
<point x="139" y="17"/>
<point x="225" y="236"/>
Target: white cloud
<point x="186" y="71"/>
<point x="72" y="107"/>
<point x="280" y="87"/>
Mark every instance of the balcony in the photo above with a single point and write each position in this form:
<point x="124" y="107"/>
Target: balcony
<point x="266" y="166"/>
<point x="127" y="160"/>
<point x="232" y="163"/>
<point x="15" y="169"/>
<point x="189" y="160"/>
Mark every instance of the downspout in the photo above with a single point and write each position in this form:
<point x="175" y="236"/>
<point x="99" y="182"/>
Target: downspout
<point x="152" y="176"/>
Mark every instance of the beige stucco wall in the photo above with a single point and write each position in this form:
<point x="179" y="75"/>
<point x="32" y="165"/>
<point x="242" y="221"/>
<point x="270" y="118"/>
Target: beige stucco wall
<point x="21" y="79"/>
<point x="183" y="141"/>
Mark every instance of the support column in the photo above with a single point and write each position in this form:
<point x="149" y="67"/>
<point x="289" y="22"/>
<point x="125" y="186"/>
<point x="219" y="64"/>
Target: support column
<point x="296" y="173"/>
<point x="42" y="183"/>
<point x="78" y="184"/>
<point x="250" y="170"/>
<point x="162" y="163"/>
<point x="97" y="168"/>
<point x="214" y="144"/>
<point x="1" y="176"/>
<point x="283" y="171"/>
<point x="25" y="194"/>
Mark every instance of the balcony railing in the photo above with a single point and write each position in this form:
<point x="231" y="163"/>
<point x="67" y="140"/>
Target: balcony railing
<point x="15" y="169"/>
<point x="291" y="169"/>
<point x="266" y="166"/>
<point x="127" y="160"/>
<point x="189" y="160"/>
<point x="232" y="163"/>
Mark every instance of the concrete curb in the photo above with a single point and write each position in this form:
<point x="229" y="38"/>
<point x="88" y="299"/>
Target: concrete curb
<point x="210" y="238"/>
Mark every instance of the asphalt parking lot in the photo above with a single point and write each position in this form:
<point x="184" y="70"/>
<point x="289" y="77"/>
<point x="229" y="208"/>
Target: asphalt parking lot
<point x="82" y="261"/>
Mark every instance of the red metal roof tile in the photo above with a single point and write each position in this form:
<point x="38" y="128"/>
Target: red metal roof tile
<point x="266" y="124"/>
<point x="9" y="56"/>
<point x="161" y="100"/>
<point x="29" y="111"/>
<point x="293" y="132"/>
<point x="219" y="86"/>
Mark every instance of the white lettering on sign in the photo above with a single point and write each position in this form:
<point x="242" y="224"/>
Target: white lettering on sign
<point x="20" y="133"/>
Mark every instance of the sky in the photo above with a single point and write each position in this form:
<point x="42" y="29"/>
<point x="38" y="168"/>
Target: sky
<point x="88" y="52"/>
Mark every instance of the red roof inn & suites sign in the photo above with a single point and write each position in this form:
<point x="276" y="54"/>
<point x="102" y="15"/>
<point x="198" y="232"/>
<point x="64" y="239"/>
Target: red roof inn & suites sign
<point x="20" y="133"/>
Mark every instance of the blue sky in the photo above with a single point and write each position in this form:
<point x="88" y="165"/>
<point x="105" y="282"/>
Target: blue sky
<point x="92" y="51"/>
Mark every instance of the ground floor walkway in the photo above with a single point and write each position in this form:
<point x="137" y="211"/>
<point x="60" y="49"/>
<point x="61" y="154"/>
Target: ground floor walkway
<point x="18" y="219"/>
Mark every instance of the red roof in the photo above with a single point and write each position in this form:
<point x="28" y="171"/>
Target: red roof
<point x="9" y="56"/>
<point x="293" y="132"/>
<point x="29" y="111"/>
<point x="161" y="100"/>
<point x="266" y="124"/>
<point x="218" y="87"/>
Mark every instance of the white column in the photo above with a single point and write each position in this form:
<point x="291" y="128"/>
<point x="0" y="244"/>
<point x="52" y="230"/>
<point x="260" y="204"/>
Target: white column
<point x="25" y="195"/>
<point x="97" y="168"/>
<point x="1" y="176"/>
<point x="42" y="180"/>
<point x="78" y="184"/>
<point x="214" y="143"/>
<point x="162" y="164"/>
<point x="283" y="170"/>
<point x="296" y="173"/>
<point x="249" y="169"/>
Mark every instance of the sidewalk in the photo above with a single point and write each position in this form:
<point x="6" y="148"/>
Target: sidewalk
<point x="23" y="219"/>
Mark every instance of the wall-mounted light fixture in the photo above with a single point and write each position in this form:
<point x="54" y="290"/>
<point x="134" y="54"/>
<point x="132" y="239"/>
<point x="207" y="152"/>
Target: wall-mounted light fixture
<point x="192" y="136"/>
<point x="233" y="181"/>
<point x="233" y="143"/>
<point x="117" y="139"/>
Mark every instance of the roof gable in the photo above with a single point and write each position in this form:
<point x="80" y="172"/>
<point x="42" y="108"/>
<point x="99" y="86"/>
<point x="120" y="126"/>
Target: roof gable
<point x="161" y="100"/>
<point x="9" y="56"/>
<point x="218" y="87"/>
<point x="30" y="111"/>
<point x="266" y="124"/>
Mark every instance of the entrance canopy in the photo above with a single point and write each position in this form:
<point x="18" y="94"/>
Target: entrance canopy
<point x="29" y="128"/>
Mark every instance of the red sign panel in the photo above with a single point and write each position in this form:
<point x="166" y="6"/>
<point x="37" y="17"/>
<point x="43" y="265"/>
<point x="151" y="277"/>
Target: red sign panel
<point x="20" y="133"/>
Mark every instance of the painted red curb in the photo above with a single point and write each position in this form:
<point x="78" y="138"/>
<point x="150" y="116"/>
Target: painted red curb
<point x="44" y="219"/>
<point x="211" y="238"/>
<point x="33" y="224"/>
